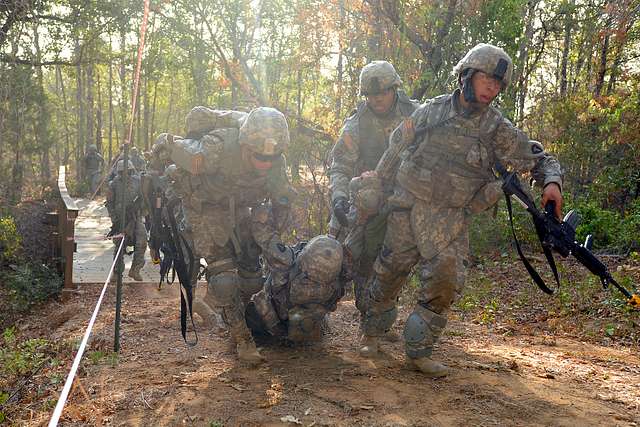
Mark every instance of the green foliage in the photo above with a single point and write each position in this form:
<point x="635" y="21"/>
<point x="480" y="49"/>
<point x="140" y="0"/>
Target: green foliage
<point x="10" y="240"/>
<point x="21" y="357"/>
<point x="30" y="284"/>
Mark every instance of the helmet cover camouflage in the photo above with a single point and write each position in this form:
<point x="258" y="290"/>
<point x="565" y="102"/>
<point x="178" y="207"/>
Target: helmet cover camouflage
<point x="265" y="131"/>
<point x="489" y="59"/>
<point x="378" y="76"/>
<point x="92" y="148"/>
<point x="321" y="259"/>
<point x="120" y="165"/>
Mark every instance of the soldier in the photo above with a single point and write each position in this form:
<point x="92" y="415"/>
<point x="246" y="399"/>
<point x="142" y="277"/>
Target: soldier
<point x="134" y="228"/>
<point x="362" y="141"/>
<point x="93" y="163"/>
<point x="138" y="161"/>
<point x="235" y="165"/>
<point x="297" y="308"/>
<point x="444" y="178"/>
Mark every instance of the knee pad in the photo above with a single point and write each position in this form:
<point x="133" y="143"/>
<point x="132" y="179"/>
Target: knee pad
<point x="421" y="332"/>
<point x="250" y="283"/>
<point x="224" y="289"/>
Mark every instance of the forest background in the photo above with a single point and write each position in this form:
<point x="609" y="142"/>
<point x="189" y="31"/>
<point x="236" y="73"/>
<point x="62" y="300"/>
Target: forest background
<point x="67" y="70"/>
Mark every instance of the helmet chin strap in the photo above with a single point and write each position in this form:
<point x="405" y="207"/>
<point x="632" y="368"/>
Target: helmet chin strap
<point x="469" y="94"/>
<point x="467" y="87"/>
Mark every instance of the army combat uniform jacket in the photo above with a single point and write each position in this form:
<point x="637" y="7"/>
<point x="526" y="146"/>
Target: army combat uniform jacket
<point x="442" y="180"/>
<point x="363" y="139"/>
<point x="217" y="215"/>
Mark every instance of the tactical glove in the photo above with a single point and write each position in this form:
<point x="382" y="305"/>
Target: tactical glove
<point x="340" y="210"/>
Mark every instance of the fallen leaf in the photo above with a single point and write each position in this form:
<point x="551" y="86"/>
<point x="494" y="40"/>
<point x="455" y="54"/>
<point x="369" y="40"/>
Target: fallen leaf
<point x="290" y="419"/>
<point x="238" y="387"/>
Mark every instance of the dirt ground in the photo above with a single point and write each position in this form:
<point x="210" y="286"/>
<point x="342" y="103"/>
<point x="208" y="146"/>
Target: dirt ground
<point x="498" y="379"/>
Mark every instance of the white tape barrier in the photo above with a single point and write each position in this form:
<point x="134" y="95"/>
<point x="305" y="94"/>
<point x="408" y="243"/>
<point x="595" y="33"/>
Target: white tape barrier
<point x="57" y="413"/>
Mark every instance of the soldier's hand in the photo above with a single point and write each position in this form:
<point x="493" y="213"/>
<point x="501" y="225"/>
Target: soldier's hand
<point x="552" y="193"/>
<point x="340" y="210"/>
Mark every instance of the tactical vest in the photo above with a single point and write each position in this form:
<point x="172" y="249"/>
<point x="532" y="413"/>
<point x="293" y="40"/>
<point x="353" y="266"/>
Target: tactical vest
<point x="453" y="162"/>
<point x="92" y="162"/>
<point x="133" y="190"/>
<point x="373" y="131"/>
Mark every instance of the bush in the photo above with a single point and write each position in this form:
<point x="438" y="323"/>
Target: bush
<point x="10" y="241"/>
<point x="29" y="284"/>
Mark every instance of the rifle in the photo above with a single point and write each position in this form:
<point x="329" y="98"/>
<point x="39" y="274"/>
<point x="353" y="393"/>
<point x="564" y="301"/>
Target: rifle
<point x="177" y="256"/>
<point x="555" y="235"/>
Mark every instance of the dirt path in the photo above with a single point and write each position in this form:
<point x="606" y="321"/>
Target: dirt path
<point x="497" y="379"/>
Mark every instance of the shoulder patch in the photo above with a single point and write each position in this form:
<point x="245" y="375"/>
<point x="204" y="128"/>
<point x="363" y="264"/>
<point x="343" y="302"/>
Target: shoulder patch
<point x="348" y="141"/>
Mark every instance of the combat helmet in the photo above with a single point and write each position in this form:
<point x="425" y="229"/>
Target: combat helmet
<point x="378" y="76"/>
<point x="489" y="59"/>
<point x="92" y="148"/>
<point x="321" y="259"/>
<point x="120" y="165"/>
<point x="265" y="132"/>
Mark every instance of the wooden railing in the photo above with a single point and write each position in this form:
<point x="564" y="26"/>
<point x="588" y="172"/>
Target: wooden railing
<point x="67" y="213"/>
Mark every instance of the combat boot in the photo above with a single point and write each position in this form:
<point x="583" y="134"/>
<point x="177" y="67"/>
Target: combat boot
<point x="134" y="273"/>
<point x="248" y="353"/>
<point x="369" y="346"/>
<point x="210" y="317"/>
<point x="428" y="366"/>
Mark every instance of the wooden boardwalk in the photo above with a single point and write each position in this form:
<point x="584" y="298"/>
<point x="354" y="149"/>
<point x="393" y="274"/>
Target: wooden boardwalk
<point x="94" y="254"/>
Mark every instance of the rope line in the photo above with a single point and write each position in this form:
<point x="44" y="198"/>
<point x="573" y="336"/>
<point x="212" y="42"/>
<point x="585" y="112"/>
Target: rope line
<point x="55" y="418"/>
<point x="57" y="413"/>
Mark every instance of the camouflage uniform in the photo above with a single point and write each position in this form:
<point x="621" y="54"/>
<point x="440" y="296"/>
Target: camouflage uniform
<point x="296" y="307"/>
<point x="443" y="179"/>
<point x="93" y="163"/>
<point x="134" y="228"/>
<point x="216" y="216"/>
<point x="363" y="139"/>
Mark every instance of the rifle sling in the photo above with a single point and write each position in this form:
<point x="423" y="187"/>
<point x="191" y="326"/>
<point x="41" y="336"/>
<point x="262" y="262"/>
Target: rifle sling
<point x="532" y="271"/>
<point x="184" y="274"/>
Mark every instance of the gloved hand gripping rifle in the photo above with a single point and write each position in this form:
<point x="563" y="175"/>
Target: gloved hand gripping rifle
<point x="556" y="236"/>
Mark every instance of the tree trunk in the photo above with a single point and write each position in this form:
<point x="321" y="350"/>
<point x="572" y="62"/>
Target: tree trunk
<point x="90" y="139"/>
<point x="110" y="107"/>
<point x="339" y="76"/>
<point x="41" y="127"/>
<point x="65" y="120"/>
<point x="124" y="91"/>
<point x="568" y="27"/>
<point x="79" y="114"/>
<point x="523" y="59"/>
<point x="145" y="120"/>
<point x="99" y="115"/>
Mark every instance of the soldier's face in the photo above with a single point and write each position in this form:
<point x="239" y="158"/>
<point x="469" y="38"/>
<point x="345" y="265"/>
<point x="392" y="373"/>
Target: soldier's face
<point x="485" y="87"/>
<point x="261" y="164"/>
<point x="382" y="102"/>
